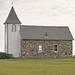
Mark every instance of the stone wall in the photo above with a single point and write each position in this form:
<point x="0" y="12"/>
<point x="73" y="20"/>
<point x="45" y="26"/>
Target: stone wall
<point x="29" y="49"/>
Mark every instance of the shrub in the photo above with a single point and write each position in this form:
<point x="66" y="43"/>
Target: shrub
<point x="73" y="56"/>
<point x="5" y="55"/>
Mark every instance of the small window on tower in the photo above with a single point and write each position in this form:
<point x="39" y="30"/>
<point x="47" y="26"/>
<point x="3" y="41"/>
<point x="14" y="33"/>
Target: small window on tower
<point x="13" y="28"/>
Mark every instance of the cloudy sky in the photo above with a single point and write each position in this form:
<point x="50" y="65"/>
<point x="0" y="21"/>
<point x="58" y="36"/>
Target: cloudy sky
<point x="39" y="12"/>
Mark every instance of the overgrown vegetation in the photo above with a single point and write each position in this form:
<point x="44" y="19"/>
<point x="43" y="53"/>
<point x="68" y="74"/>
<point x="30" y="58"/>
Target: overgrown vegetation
<point x="5" y="55"/>
<point x="42" y="66"/>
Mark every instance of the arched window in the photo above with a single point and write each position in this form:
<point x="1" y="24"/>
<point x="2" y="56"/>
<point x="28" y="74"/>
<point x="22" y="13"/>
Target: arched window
<point x="13" y="28"/>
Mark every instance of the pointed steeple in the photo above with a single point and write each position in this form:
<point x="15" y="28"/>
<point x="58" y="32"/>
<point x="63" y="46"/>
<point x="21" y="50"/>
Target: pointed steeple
<point x="12" y="18"/>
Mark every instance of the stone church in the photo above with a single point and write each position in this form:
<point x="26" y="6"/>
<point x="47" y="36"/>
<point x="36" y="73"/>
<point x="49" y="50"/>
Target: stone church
<point x="36" y="41"/>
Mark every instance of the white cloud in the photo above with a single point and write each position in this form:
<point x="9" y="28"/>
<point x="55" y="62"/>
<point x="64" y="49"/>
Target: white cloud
<point x="57" y="7"/>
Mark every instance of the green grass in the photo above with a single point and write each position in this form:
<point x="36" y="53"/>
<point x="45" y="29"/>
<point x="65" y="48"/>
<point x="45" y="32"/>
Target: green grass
<point x="46" y="66"/>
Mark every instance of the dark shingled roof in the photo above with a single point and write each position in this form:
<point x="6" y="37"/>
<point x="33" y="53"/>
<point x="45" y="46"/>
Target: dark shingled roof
<point x="12" y="18"/>
<point x="39" y="32"/>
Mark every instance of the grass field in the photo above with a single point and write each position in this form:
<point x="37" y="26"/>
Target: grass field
<point x="46" y="66"/>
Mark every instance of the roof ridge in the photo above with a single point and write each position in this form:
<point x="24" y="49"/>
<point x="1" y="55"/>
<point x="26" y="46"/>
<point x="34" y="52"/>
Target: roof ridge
<point x="44" y="26"/>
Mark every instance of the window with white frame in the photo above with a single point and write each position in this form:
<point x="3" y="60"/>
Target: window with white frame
<point x="13" y="28"/>
<point x="55" y="48"/>
<point x="40" y="48"/>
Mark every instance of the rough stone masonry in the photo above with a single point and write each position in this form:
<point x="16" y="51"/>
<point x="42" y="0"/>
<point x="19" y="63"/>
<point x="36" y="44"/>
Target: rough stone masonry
<point x="29" y="49"/>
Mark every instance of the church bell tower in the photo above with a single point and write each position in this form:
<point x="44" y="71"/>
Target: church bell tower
<point x="12" y="34"/>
